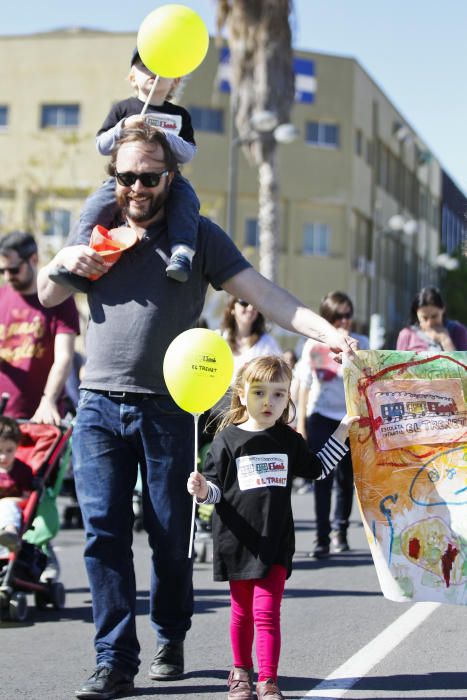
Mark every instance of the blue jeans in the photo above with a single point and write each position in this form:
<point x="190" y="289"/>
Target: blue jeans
<point x="319" y="429"/>
<point x="110" y="438"/>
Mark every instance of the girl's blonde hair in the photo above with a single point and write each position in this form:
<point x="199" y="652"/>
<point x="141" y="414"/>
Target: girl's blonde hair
<point x="266" y="369"/>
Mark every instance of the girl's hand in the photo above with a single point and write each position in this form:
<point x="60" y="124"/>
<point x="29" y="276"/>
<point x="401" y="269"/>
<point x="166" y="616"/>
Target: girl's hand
<point x="197" y="486"/>
<point x="133" y="122"/>
<point x="342" y="431"/>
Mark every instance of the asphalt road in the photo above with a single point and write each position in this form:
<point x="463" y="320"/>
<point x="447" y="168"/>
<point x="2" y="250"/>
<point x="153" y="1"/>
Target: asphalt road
<point x="340" y="637"/>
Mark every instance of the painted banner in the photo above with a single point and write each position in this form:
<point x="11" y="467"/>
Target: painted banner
<point x="409" y="454"/>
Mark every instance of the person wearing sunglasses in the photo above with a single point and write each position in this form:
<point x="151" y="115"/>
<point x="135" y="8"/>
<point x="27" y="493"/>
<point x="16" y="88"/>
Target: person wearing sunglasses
<point x="244" y="328"/>
<point x="321" y="407"/>
<point x="182" y="206"/>
<point x="36" y="344"/>
<point x="126" y="416"/>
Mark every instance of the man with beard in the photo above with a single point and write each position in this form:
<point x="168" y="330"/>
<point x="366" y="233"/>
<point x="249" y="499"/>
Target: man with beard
<point x="36" y="343"/>
<point x="126" y="415"/>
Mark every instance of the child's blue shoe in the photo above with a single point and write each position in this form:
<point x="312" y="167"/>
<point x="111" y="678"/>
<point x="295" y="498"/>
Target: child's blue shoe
<point x="179" y="267"/>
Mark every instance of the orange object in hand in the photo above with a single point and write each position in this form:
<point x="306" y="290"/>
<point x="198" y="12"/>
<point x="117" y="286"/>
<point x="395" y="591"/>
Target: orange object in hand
<point x="110" y="244"/>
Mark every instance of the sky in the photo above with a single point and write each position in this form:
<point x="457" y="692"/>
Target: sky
<point x="415" y="50"/>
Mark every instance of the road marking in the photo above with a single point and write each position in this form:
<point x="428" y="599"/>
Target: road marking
<point x="346" y="676"/>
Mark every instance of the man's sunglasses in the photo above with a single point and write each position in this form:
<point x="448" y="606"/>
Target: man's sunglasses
<point x="340" y="317"/>
<point x="13" y="270"/>
<point x="147" y="179"/>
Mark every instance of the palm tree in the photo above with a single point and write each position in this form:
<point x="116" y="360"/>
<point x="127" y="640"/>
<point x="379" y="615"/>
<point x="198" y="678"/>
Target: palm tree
<point x="262" y="78"/>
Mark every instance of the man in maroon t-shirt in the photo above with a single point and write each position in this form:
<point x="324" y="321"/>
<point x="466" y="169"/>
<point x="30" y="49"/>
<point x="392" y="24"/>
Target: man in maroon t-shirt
<point x="36" y="344"/>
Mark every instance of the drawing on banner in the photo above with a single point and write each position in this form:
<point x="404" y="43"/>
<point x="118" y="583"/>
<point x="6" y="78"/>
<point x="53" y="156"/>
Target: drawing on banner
<point x="409" y="453"/>
<point x="431" y="412"/>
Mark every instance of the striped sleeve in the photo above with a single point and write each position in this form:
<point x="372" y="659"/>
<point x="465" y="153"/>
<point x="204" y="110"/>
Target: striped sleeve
<point x="330" y="455"/>
<point x="214" y="494"/>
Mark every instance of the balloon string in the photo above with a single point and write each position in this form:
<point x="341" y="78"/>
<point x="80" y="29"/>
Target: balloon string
<point x="148" y="98"/>
<point x="193" y="510"/>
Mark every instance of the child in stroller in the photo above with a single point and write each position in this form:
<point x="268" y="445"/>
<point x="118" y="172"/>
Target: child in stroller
<point x="35" y="523"/>
<point x="16" y="483"/>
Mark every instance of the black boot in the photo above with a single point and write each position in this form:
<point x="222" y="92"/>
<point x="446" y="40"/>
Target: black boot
<point x="104" y="684"/>
<point x="168" y="662"/>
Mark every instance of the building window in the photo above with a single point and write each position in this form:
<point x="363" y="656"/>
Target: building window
<point x="3" y="116"/>
<point x="322" y="134"/>
<point x="207" y="119"/>
<point x="59" y="116"/>
<point x="369" y="153"/>
<point x="251" y="233"/>
<point x="316" y="239"/>
<point x="57" y="222"/>
<point x="358" y="142"/>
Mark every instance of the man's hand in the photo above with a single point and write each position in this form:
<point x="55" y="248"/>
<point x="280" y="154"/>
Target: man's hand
<point x="82" y="260"/>
<point x="47" y="412"/>
<point x="343" y="345"/>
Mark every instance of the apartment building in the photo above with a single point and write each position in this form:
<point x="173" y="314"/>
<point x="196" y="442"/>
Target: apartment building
<point x="360" y="192"/>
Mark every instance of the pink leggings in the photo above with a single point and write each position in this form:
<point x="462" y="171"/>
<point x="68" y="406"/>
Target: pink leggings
<point x="257" y="603"/>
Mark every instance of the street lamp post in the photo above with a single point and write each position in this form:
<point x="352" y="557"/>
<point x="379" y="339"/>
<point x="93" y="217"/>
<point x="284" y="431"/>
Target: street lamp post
<point x="263" y="123"/>
<point x="396" y="224"/>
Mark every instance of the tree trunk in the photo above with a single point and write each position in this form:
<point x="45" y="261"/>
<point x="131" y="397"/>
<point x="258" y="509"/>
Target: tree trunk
<point x="268" y="217"/>
<point x="262" y="78"/>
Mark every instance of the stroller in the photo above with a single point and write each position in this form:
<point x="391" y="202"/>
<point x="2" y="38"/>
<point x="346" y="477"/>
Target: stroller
<point x="20" y="572"/>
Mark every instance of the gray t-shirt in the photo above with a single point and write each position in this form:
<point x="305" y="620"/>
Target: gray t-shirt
<point x="136" y="310"/>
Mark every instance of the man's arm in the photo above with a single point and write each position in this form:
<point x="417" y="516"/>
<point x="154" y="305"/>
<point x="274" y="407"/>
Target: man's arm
<point x="283" y="308"/>
<point x="64" y="347"/>
<point x="80" y="259"/>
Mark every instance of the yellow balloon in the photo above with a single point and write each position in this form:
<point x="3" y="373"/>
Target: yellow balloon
<point x="198" y="369"/>
<point x="172" y="41"/>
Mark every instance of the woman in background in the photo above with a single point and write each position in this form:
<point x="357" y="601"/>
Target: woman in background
<point x="244" y="329"/>
<point x="429" y="329"/>
<point x="321" y="407"/>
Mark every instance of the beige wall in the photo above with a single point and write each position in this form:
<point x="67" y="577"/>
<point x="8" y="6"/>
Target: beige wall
<point x="59" y="167"/>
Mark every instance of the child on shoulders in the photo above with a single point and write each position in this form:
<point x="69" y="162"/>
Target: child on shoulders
<point x="182" y="205"/>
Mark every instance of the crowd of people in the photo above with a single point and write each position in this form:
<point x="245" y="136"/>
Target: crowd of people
<point x="127" y="423"/>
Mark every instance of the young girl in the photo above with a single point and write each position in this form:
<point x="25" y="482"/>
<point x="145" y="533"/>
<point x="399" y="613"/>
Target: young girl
<point x="182" y="205"/>
<point x="248" y="475"/>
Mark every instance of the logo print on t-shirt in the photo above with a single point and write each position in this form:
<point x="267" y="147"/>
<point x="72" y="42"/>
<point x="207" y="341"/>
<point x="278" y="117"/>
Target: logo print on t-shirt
<point x="256" y="471"/>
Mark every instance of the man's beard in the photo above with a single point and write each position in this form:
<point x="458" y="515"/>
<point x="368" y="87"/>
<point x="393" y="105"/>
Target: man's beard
<point x="23" y="284"/>
<point x="146" y="213"/>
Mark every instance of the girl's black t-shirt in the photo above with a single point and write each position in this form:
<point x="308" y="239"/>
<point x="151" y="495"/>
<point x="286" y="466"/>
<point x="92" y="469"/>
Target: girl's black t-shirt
<point x="253" y="524"/>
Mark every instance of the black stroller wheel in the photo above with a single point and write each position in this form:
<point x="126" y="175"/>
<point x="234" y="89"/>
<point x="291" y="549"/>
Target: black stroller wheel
<point x="41" y="600"/>
<point x="18" y="607"/>
<point x="57" y="595"/>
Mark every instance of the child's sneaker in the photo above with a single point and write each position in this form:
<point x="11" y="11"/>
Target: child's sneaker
<point x="179" y="267"/>
<point x="269" y="690"/>
<point x="240" y="684"/>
